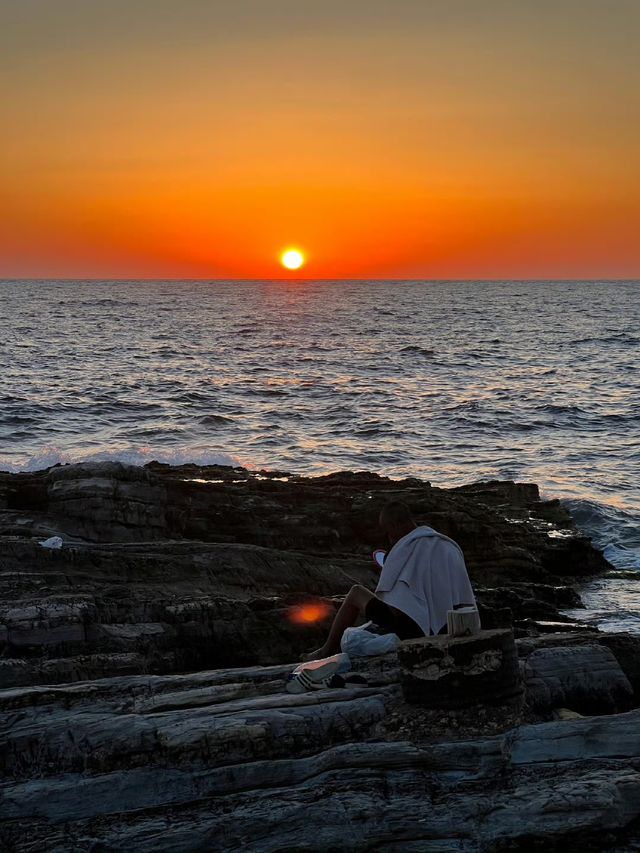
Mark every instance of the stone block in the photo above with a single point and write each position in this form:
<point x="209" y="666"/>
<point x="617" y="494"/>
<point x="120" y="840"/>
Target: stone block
<point x="458" y="672"/>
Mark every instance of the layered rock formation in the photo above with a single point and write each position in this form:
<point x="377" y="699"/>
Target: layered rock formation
<point x="165" y="569"/>
<point x="225" y="760"/>
<point x="129" y="726"/>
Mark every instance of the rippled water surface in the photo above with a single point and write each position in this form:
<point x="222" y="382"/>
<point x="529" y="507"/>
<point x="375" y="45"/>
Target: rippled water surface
<point x="452" y="381"/>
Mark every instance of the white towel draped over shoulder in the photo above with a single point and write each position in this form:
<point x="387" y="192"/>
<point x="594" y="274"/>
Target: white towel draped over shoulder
<point x="424" y="575"/>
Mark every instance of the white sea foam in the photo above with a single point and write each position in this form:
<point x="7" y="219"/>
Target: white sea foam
<point x="49" y="456"/>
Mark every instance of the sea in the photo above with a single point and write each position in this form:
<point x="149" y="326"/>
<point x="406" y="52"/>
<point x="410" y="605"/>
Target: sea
<point x="451" y="381"/>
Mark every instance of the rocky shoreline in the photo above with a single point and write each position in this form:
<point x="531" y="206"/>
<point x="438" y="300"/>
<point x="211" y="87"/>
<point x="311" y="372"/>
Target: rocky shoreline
<point x="143" y="669"/>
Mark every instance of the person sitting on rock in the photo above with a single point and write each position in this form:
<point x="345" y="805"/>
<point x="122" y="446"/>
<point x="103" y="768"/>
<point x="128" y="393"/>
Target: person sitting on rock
<point x="423" y="577"/>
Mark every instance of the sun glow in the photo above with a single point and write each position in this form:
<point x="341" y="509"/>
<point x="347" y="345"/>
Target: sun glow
<point x="292" y="259"/>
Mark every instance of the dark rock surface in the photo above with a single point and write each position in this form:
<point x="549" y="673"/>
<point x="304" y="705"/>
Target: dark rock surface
<point x="225" y="760"/>
<point x="586" y="678"/>
<point x="502" y="527"/>
<point x="143" y="666"/>
<point x="171" y="568"/>
<point x="625" y="649"/>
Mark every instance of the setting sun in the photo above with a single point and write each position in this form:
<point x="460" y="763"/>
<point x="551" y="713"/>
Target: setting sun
<point x="292" y="259"/>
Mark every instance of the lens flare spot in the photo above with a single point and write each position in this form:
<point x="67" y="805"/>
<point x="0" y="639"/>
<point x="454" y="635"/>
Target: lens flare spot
<point x="307" y="614"/>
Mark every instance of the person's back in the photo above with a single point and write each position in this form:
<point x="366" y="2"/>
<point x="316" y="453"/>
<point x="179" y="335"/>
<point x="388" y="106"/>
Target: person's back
<point x="424" y="574"/>
<point x="423" y="577"/>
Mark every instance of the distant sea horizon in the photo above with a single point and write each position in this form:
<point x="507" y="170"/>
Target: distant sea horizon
<point x="527" y="379"/>
<point x="291" y="278"/>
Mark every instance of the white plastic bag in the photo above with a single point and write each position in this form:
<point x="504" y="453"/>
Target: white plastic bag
<point x="53" y="542"/>
<point x="358" y="642"/>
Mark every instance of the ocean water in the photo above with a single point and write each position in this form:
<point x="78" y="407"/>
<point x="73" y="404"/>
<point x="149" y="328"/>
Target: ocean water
<point x="450" y="381"/>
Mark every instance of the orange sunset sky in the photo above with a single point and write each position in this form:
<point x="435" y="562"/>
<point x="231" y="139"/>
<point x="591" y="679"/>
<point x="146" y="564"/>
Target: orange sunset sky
<point x="385" y="138"/>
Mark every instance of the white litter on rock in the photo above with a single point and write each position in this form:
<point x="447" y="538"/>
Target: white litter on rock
<point x="54" y="542"/>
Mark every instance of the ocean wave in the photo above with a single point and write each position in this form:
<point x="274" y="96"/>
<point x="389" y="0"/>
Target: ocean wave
<point x="50" y="456"/>
<point x="615" y="531"/>
<point x="621" y="417"/>
<point x="556" y="409"/>
<point x="16" y="420"/>
<point x="616" y="338"/>
<point x="370" y="430"/>
<point x="266" y="392"/>
<point x="107" y="302"/>
<point x="416" y="350"/>
<point x="193" y="397"/>
<point x="622" y="338"/>
<point x="466" y="406"/>
<point x="211" y="420"/>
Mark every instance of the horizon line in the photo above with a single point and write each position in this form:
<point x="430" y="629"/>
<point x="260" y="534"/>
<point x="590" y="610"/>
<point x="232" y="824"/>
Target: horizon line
<point x="292" y="279"/>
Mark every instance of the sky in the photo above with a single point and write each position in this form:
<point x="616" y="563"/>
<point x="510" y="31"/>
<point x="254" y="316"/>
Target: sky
<point x="384" y="138"/>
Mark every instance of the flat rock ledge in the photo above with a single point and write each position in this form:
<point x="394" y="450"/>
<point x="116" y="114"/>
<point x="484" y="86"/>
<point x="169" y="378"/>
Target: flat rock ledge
<point x="226" y="760"/>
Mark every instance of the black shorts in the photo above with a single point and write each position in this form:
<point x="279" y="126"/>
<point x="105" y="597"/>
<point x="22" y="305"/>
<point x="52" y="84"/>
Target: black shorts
<point x="392" y="620"/>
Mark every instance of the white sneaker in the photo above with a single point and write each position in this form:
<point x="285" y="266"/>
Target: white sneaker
<point x="314" y="675"/>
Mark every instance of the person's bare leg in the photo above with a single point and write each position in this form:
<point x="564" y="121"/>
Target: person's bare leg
<point x="350" y="610"/>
